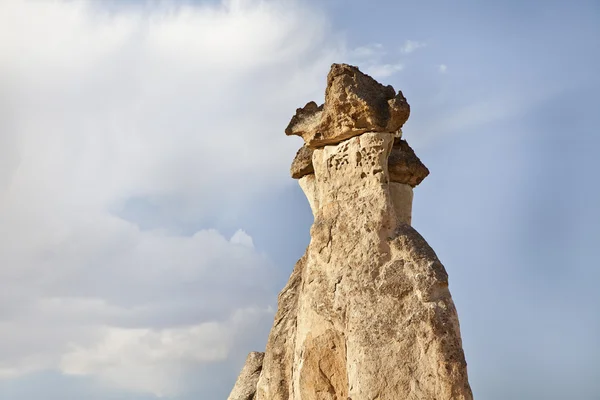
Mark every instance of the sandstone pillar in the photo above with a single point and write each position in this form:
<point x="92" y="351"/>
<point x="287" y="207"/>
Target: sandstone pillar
<point x="366" y="314"/>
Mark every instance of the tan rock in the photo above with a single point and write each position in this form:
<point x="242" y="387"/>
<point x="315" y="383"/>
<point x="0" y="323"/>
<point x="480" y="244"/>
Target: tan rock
<point x="306" y="119"/>
<point x="355" y="103"/>
<point x="309" y="187"/>
<point x="275" y="381"/>
<point x="366" y="314"/>
<point x="302" y="164"/>
<point x="245" y="386"/>
<point x="404" y="165"/>
<point x="402" y="198"/>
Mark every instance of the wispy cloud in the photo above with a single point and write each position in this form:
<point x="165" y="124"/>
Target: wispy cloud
<point x="442" y="68"/>
<point x="412" y="45"/>
<point x="373" y="59"/>
<point x="479" y="110"/>
<point x="375" y="50"/>
<point x="383" y="70"/>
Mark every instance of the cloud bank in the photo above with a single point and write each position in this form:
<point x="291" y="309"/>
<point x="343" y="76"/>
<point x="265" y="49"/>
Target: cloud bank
<point x="106" y="111"/>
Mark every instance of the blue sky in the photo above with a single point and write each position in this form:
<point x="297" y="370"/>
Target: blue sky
<point x="148" y="221"/>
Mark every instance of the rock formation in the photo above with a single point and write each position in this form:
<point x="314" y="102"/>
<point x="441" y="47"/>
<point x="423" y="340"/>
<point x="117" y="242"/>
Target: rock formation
<point x="245" y="386"/>
<point x="366" y="314"/>
<point x="355" y="103"/>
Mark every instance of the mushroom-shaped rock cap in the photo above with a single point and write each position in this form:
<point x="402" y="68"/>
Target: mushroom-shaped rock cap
<point x="404" y="166"/>
<point x="354" y="103"/>
<point x="302" y="164"/>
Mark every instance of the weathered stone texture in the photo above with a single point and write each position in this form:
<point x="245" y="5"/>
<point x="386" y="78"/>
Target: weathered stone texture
<point x="309" y="187"/>
<point x="405" y="166"/>
<point x="302" y="164"/>
<point x="366" y="314"/>
<point x="307" y="119"/>
<point x="275" y="381"/>
<point x="402" y="198"/>
<point x="245" y="386"/>
<point x="355" y="103"/>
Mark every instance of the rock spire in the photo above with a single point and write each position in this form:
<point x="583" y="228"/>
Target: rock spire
<point x="366" y="313"/>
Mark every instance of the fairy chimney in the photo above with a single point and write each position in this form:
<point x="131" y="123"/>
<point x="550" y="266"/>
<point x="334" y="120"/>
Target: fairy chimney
<point x="366" y="313"/>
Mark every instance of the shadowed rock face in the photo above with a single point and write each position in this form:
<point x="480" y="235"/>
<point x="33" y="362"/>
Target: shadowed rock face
<point x="355" y="103"/>
<point x="367" y="313"/>
<point x="302" y="164"/>
<point x="306" y="120"/>
<point x="404" y="165"/>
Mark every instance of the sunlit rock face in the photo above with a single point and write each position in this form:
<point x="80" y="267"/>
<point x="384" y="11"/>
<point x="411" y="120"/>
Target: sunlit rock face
<point x="245" y="386"/>
<point x="366" y="313"/>
<point x="355" y="103"/>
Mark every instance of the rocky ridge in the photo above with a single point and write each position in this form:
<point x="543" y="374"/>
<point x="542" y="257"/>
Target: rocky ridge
<point x="366" y="313"/>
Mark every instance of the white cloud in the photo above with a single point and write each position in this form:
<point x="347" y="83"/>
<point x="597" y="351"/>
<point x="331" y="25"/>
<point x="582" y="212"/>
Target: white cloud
<point x="180" y="106"/>
<point x="383" y="70"/>
<point x="155" y="286"/>
<point x="373" y="59"/>
<point x="442" y="68"/>
<point x="370" y="51"/>
<point x="156" y="360"/>
<point x="242" y="238"/>
<point x="412" y="45"/>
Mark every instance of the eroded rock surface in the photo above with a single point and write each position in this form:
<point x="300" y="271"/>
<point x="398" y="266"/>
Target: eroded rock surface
<point x="405" y="166"/>
<point x="366" y="314"/>
<point x="309" y="187"/>
<point x="245" y="386"/>
<point x="355" y="103"/>
<point x="276" y="380"/>
<point x="302" y="164"/>
<point x="402" y="198"/>
<point x="371" y="315"/>
<point x="307" y="119"/>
